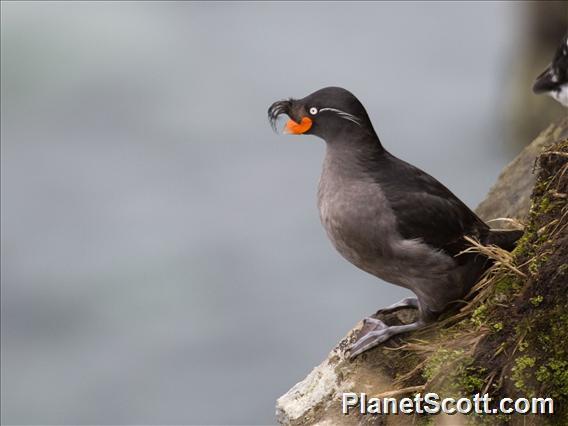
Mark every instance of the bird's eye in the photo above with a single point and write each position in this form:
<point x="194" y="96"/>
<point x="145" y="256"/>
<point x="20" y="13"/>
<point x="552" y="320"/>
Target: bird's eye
<point x="313" y="110"/>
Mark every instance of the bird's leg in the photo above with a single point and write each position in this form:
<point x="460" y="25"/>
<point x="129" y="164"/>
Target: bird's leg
<point x="381" y="334"/>
<point x="407" y="302"/>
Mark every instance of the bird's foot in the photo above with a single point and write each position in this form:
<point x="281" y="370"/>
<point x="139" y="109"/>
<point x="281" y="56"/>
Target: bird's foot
<point x="406" y="303"/>
<point x="377" y="323"/>
<point x="373" y="338"/>
<point x="380" y="333"/>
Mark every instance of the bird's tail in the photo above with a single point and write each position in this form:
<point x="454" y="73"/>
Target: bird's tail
<point x="506" y="239"/>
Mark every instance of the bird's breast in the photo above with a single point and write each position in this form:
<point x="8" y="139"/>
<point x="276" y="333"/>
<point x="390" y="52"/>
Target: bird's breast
<point x="357" y="219"/>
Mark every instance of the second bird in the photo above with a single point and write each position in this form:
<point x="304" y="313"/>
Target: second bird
<point x="386" y="216"/>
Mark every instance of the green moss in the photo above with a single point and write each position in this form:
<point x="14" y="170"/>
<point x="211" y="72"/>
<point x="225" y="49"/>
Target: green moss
<point x="522" y="346"/>
<point x="505" y="285"/>
<point x="545" y="205"/>
<point x="541" y="369"/>
<point x="498" y="326"/>
<point x="473" y="379"/>
<point x="439" y="361"/>
<point x="521" y="371"/>
<point x="455" y="372"/>
<point x="524" y="245"/>
<point x="533" y="266"/>
<point x="552" y="372"/>
<point x="479" y="315"/>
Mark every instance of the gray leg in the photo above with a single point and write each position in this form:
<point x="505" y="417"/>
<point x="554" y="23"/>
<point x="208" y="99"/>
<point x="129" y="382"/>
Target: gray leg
<point x="381" y="334"/>
<point x="407" y="302"/>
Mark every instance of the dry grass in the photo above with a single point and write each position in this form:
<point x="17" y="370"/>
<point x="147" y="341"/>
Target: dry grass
<point x="501" y="257"/>
<point x="454" y="333"/>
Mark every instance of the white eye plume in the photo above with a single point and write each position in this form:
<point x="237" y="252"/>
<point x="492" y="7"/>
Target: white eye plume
<point x="313" y="110"/>
<point x="344" y="115"/>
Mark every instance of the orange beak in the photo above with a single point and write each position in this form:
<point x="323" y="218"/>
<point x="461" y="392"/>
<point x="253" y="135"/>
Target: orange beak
<point x="294" y="128"/>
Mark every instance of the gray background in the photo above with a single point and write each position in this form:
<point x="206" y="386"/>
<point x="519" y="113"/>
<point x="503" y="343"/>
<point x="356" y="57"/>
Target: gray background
<point x="162" y="257"/>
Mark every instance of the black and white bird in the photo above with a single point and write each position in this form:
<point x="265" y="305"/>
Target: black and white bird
<point x="386" y="216"/>
<point x="554" y="79"/>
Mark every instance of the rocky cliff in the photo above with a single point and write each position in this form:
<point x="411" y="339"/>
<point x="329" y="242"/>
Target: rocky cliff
<point x="510" y="338"/>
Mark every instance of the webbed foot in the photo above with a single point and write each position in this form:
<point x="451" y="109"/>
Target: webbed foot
<point x="379" y="334"/>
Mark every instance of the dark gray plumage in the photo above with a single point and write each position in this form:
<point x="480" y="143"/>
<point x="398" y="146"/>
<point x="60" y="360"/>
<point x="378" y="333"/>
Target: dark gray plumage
<point x="386" y="216"/>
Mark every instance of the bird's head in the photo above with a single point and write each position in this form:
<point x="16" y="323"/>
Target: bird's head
<point x="553" y="79"/>
<point x="326" y="113"/>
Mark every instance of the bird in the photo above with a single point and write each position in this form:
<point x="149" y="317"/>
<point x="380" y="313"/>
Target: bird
<point x="387" y="217"/>
<point x="554" y="79"/>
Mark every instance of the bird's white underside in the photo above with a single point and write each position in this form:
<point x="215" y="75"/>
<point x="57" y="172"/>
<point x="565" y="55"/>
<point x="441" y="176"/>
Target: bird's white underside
<point x="560" y="95"/>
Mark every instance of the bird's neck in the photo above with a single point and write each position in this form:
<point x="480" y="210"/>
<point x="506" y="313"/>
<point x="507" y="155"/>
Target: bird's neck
<point x="353" y="155"/>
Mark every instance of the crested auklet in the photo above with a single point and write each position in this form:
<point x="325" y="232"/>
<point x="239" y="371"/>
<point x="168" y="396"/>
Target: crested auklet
<point x="386" y="216"/>
<point x="554" y="79"/>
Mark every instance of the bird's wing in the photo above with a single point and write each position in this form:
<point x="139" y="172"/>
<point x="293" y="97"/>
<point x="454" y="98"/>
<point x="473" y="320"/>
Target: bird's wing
<point x="439" y="222"/>
<point x="427" y="210"/>
<point x="556" y="74"/>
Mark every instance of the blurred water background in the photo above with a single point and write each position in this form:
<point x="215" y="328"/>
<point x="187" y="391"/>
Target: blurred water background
<point x="162" y="257"/>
